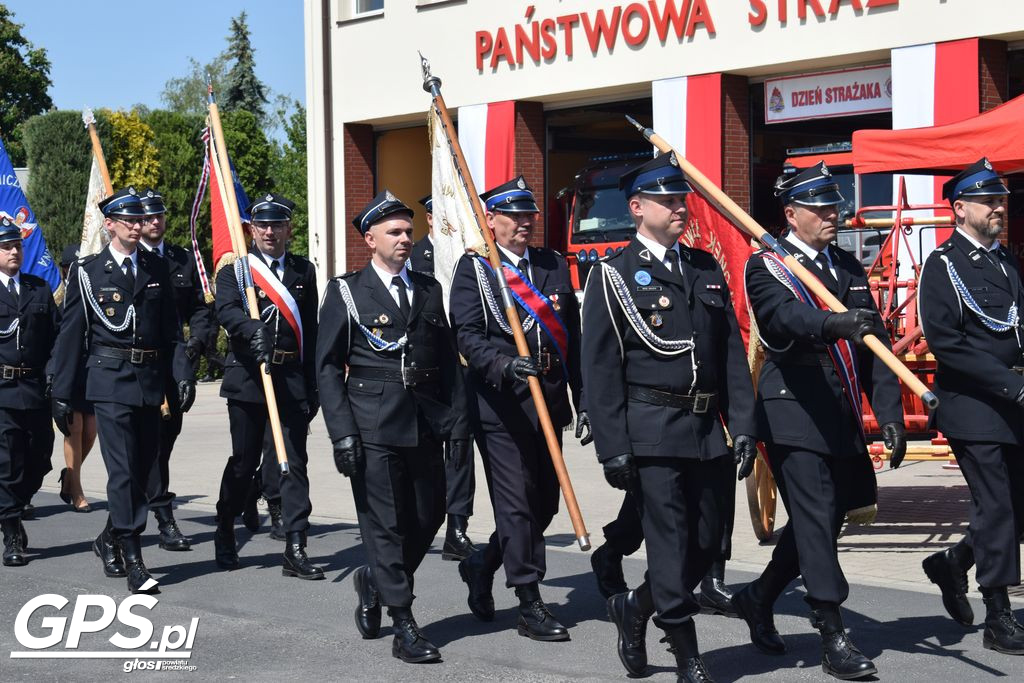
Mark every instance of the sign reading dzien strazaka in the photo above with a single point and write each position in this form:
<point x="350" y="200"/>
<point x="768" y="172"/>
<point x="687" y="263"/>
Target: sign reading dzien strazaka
<point x="864" y="90"/>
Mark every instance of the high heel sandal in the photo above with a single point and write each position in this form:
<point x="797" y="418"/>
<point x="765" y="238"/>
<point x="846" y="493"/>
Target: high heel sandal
<point x="64" y="495"/>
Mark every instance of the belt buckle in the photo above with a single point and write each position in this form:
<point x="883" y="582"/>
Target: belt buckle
<point x="277" y="358"/>
<point x="544" y="360"/>
<point x="9" y="372"/>
<point x="137" y="356"/>
<point x="1019" y="369"/>
<point x="701" y="403"/>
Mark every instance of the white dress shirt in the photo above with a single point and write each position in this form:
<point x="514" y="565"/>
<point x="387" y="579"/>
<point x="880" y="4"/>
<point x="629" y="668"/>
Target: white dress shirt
<point x="387" y="278"/>
<point x="658" y="251"/>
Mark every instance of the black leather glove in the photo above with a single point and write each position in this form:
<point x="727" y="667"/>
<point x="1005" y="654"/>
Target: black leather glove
<point x="63" y="415"/>
<point x="583" y="423"/>
<point x="186" y="394"/>
<point x="458" y="451"/>
<point x="48" y="388"/>
<point x="520" y="368"/>
<point x="744" y="453"/>
<point x="620" y="471"/>
<point x="894" y="436"/>
<point x="194" y="348"/>
<point x="852" y="325"/>
<point x="261" y="346"/>
<point x="312" y="406"/>
<point x="348" y="455"/>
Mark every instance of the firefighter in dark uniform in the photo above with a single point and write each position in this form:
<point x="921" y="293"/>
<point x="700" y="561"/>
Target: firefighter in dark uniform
<point x="459" y="475"/>
<point x="190" y="301"/>
<point x="970" y="298"/>
<point x="520" y="476"/>
<point x="402" y="400"/>
<point x="808" y="399"/>
<point x="29" y="320"/>
<point x="662" y="350"/>
<point x="120" y="306"/>
<point x="288" y="355"/>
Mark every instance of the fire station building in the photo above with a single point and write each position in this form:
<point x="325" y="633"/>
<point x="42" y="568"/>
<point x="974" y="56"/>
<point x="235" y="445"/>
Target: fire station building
<point x="542" y="87"/>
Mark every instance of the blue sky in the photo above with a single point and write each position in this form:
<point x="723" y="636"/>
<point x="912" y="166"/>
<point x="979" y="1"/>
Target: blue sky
<point x="118" y="53"/>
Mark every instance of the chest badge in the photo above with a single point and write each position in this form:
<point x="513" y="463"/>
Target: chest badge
<point x="376" y="332"/>
<point x="116" y="297"/>
<point x="642" y="278"/>
<point x="110" y="311"/>
<point x="384" y="319"/>
<point x="262" y="294"/>
<point x="663" y="301"/>
<point x="656" y="320"/>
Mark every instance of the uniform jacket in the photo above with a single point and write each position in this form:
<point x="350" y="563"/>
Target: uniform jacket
<point x="974" y="382"/>
<point x="295" y="380"/>
<point x="422" y="258"/>
<point x="497" y="403"/>
<point x="695" y="303"/>
<point x="800" y="399"/>
<point x="31" y="344"/>
<point x="156" y="327"/>
<point x="386" y="412"/>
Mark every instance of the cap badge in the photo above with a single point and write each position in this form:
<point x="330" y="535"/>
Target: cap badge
<point x="390" y="197"/>
<point x="672" y="159"/>
<point x="521" y="184"/>
<point x="132" y="192"/>
<point x="269" y="198"/>
<point x="824" y="171"/>
<point x="987" y="164"/>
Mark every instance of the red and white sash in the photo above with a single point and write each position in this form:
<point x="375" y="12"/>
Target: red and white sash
<point x="278" y="294"/>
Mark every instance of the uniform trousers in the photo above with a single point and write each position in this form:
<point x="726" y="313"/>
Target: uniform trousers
<point x="682" y="515"/>
<point x="994" y="473"/>
<point x="816" y="489"/>
<point x="249" y="422"/>
<point x="129" y="438"/>
<point x="524" y="494"/>
<point x="460" y="487"/>
<point x="159" y="478"/>
<point x="269" y="473"/>
<point x="26" y="443"/>
<point x="399" y="500"/>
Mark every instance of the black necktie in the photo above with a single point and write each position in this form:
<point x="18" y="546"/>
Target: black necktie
<point x="273" y="269"/>
<point x="158" y="251"/>
<point x="13" y="289"/>
<point x="673" y="259"/>
<point x="524" y="268"/>
<point x="129" y="273"/>
<point x="403" y="296"/>
<point x="826" y="274"/>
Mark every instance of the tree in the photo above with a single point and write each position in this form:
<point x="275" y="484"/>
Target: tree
<point x="289" y="174"/>
<point x="187" y="94"/>
<point x="249" y="150"/>
<point x="130" y="153"/>
<point x="24" y="82"/>
<point x="243" y="90"/>
<point x="178" y="140"/>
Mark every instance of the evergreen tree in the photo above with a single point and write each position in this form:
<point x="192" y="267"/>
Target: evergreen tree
<point x="187" y="94"/>
<point x="289" y="174"/>
<point x="243" y="90"/>
<point x="24" y="82"/>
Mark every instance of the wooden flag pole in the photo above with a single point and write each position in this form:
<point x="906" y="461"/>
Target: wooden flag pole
<point x="97" y="149"/>
<point x="222" y="166"/>
<point x="742" y="219"/>
<point x="432" y="84"/>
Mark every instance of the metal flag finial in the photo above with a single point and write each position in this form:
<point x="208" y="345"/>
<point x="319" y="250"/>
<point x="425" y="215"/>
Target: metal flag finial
<point x="87" y="117"/>
<point x="431" y="83"/>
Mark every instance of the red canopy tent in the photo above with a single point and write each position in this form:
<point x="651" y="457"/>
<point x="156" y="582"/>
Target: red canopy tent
<point x="998" y="134"/>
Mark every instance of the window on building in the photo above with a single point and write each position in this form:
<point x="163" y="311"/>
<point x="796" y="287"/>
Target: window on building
<point x="363" y="6"/>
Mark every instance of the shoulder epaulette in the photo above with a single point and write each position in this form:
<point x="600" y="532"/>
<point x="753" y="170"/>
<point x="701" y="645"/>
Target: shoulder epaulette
<point x="82" y="260"/>
<point x="346" y="275"/>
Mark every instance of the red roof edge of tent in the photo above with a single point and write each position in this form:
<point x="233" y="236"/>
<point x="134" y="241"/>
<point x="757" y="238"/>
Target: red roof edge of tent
<point x="997" y="133"/>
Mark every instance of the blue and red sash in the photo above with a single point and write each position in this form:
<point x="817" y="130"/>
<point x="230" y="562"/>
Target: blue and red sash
<point x="842" y="352"/>
<point x="539" y="307"/>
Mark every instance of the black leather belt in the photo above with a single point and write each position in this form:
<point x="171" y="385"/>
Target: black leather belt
<point x="281" y="357"/>
<point x="17" y="372"/>
<point x="698" y="404"/>
<point x="410" y="377"/>
<point x="802" y="358"/>
<point x="134" y="356"/>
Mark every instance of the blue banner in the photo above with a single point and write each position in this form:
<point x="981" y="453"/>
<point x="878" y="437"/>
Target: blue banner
<point x="38" y="260"/>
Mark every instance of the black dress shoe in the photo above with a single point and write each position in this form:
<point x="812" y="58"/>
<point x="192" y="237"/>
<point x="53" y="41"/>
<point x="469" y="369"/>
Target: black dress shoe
<point x="682" y="643"/>
<point x="715" y="597"/>
<point x="631" y="623"/>
<point x="296" y="562"/>
<point x="276" y="529"/>
<point x="170" y="535"/>
<point x="758" y="616"/>
<point x="109" y="552"/>
<point x="368" y="609"/>
<point x="944" y="570"/>
<point x="1002" y="631"/>
<point x="480" y="582"/>
<point x="224" y="551"/>
<point x="607" y="565"/>
<point x="409" y="644"/>
<point x="535" y="619"/>
<point x="139" y="578"/>
<point x="251" y="513"/>
<point x="14" y="545"/>
<point x="29" y="511"/>
<point x="457" y="545"/>
<point x="840" y="657"/>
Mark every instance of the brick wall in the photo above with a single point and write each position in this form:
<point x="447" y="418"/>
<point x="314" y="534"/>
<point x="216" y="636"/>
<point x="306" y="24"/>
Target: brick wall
<point x="736" y="139"/>
<point x="359" y="166"/>
<point x="530" y="141"/>
<point x="993" y="80"/>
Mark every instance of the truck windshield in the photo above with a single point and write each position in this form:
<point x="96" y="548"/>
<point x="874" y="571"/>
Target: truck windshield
<point x="599" y="211"/>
